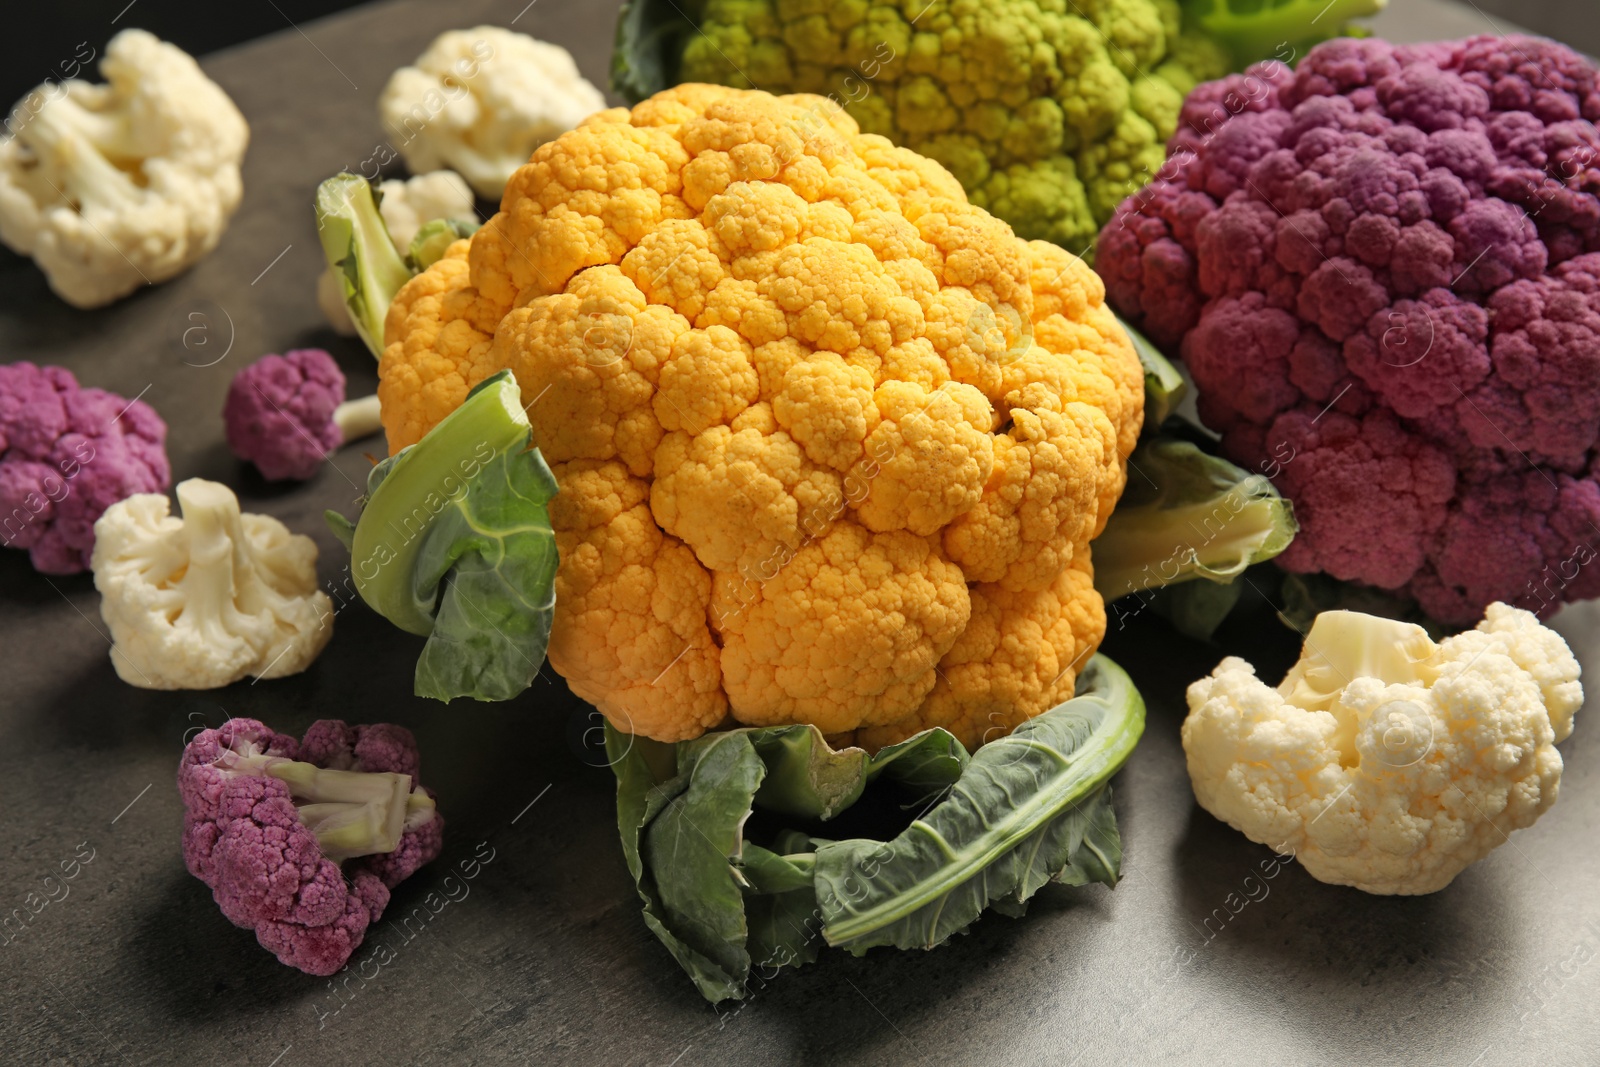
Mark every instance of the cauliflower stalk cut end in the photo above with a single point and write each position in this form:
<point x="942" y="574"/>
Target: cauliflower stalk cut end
<point x="205" y="600"/>
<point x="110" y="187"/>
<point x="1345" y="645"/>
<point x="1385" y="761"/>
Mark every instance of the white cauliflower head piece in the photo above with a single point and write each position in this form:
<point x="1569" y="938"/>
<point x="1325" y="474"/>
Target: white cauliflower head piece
<point x="110" y="187"/>
<point x="1385" y="761"/>
<point x="205" y="600"/>
<point x="480" y="101"/>
<point x="406" y="205"/>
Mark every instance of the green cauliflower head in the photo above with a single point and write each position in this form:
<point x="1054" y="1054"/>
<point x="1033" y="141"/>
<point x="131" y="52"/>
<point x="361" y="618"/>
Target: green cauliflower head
<point x="1049" y="112"/>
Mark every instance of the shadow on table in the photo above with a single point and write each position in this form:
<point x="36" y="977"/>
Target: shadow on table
<point x="1329" y="952"/>
<point x="894" y="1006"/>
<point x="185" y="963"/>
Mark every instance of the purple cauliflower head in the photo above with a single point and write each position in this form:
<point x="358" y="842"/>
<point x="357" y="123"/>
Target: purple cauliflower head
<point x="1383" y="271"/>
<point x="287" y="413"/>
<point x="302" y="842"/>
<point x="66" y="454"/>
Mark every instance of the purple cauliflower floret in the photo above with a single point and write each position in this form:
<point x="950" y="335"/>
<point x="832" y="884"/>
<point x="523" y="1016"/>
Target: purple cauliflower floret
<point x="286" y="413"/>
<point x="379" y="747"/>
<point x="66" y="454"/>
<point x="1385" y="264"/>
<point x="302" y="842"/>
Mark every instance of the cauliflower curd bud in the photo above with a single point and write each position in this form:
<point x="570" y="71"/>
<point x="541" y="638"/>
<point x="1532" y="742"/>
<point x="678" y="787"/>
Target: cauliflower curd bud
<point x="1385" y="761"/>
<point x="831" y="441"/>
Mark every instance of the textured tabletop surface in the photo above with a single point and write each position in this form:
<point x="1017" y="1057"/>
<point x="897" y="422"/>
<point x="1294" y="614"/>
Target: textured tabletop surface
<point x="543" y="956"/>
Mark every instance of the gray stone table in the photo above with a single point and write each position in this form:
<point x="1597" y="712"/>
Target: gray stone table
<point x="544" y="958"/>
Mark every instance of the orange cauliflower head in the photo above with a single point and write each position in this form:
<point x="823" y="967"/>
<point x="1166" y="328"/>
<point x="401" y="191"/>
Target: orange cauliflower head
<point x="831" y="441"/>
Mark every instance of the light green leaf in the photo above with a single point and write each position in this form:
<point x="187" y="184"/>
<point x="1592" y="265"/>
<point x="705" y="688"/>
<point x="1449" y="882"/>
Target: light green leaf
<point x="455" y="543"/>
<point x="434" y="239"/>
<point x="1187" y="514"/>
<point x="343" y="530"/>
<point x="359" y="250"/>
<point x="1277" y="29"/>
<point x="1164" y="384"/>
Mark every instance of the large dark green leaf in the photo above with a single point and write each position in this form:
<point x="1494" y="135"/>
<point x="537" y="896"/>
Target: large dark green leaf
<point x="781" y="906"/>
<point x="993" y="828"/>
<point x="1029" y="808"/>
<point x="923" y="764"/>
<point x="650" y="38"/>
<point x="646" y="787"/>
<point x="692" y="842"/>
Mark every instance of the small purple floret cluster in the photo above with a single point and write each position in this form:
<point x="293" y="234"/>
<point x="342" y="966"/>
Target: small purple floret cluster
<point x="279" y="413"/>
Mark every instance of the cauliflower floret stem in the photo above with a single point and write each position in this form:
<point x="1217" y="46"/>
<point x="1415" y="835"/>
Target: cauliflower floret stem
<point x="352" y="813"/>
<point x="220" y="579"/>
<point x="1345" y="645"/>
<point x="71" y="143"/>
<point x="358" y="418"/>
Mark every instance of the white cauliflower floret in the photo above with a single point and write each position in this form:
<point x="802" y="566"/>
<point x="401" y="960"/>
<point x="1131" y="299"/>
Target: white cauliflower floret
<point x="406" y="206"/>
<point x="480" y="101"/>
<point x="1385" y="761"/>
<point x="202" y="601"/>
<point x="110" y="187"/>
